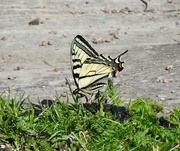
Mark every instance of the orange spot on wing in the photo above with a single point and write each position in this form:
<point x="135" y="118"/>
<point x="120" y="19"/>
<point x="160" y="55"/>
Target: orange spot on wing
<point x="94" y="59"/>
<point x="116" y="72"/>
<point x="88" y="60"/>
<point x="120" y="65"/>
<point x="108" y="67"/>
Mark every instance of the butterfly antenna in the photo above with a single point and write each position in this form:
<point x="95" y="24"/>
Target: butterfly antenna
<point x="86" y="99"/>
<point x="123" y="53"/>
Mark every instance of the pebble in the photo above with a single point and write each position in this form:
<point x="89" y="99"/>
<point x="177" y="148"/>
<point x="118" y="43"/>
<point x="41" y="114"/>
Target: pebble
<point x="152" y="18"/>
<point x="53" y="32"/>
<point x="43" y="43"/>
<point x="165" y="81"/>
<point x="169" y="67"/>
<point x="34" y="22"/>
<point x="17" y="68"/>
<point x="160" y="95"/>
<point x="159" y="79"/>
<point x="56" y="69"/>
<point x="4" y="38"/>
<point x="97" y="40"/>
<point x="63" y="94"/>
<point x="50" y="43"/>
<point x="42" y="22"/>
<point x="107" y="40"/>
<point x="43" y="86"/>
<point x="172" y="91"/>
<point x="11" y="78"/>
<point x="162" y="99"/>
<point x="165" y="111"/>
<point x="170" y="1"/>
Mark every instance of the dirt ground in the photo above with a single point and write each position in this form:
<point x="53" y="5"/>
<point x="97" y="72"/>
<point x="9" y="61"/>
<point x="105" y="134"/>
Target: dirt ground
<point x="35" y="59"/>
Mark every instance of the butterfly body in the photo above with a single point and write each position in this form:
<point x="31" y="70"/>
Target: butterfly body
<point x="89" y="68"/>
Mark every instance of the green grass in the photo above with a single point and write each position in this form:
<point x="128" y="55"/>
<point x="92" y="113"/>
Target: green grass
<point x="70" y="127"/>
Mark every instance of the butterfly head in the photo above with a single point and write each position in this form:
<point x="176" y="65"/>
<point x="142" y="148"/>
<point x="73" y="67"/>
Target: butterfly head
<point x="119" y="63"/>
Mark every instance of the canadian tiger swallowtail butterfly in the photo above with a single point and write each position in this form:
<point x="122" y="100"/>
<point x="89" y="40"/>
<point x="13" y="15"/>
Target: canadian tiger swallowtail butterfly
<point x="89" y="68"/>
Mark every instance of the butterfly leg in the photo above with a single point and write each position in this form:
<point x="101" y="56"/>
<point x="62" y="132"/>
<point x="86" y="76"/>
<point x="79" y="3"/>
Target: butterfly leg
<point x="86" y="98"/>
<point x="98" y="95"/>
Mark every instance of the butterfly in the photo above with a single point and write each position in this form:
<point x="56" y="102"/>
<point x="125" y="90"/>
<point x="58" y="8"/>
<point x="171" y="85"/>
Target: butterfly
<point x="89" y="68"/>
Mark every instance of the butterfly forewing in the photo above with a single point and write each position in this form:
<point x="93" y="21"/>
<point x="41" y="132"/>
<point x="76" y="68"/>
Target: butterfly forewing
<point x="78" y="56"/>
<point x="81" y="43"/>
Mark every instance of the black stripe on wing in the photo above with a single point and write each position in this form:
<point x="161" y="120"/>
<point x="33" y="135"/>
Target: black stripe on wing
<point x="93" y="88"/>
<point x="89" y="90"/>
<point x="85" y="46"/>
<point x="82" y="77"/>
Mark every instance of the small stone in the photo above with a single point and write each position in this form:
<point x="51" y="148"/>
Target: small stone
<point x="162" y="99"/>
<point x="50" y="43"/>
<point x="169" y="67"/>
<point x="11" y="78"/>
<point x="56" y="69"/>
<point x="18" y="68"/>
<point x="107" y="40"/>
<point x="165" y="111"/>
<point x="63" y="94"/>
<point x="43" y="86"/>
<point x="172" y="91"/>
<point x="159" y="79"/>
<point x="63" y="84"/>
<point x="152" y="18"/>
<point x="42" y="22"/>
<point x="53" y="32"/>
<point x="165" y="81"/>
<point x="44" y="43"/>
<point x="4" y="38"/>
<point x="170" y="1"/>
<point x="34" y="22"/>
<point x="160" y="95"/>
<point x="97" y="40"/>
<point x="162" y="27"/>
